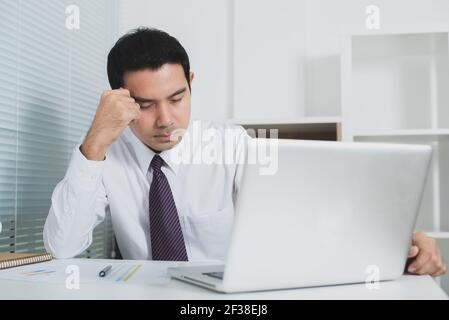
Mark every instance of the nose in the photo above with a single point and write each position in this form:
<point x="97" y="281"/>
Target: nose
<point x="163" y="116"/>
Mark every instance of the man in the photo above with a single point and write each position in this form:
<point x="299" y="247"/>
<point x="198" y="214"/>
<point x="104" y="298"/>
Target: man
<point x="161" y="209"/>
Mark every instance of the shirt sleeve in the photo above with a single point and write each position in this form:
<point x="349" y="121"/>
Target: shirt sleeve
<point x="78" y="204"/>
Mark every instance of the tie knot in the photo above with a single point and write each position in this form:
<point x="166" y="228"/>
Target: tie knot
<point x="157" y="163"/>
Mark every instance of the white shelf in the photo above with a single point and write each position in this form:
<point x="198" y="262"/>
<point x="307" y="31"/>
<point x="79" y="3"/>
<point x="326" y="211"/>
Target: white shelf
<point x="438" y="234"/>
<point x="394" y="89"/>
<point x="301" y="120"/>
<point x="431" y="133"/>
<point x="398" y="29"/>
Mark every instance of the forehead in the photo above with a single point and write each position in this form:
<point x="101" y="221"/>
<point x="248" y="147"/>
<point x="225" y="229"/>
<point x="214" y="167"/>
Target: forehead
<point x="155" y="83"/>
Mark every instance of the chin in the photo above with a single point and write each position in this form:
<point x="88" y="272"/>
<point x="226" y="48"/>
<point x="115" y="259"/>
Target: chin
<point x="162" y="146"/>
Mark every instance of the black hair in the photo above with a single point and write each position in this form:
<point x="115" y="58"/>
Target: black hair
<point x="145" y="48"/>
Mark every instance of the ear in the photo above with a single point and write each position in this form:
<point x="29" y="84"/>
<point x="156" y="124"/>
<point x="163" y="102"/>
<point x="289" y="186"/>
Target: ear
<point x="192" y="76"/>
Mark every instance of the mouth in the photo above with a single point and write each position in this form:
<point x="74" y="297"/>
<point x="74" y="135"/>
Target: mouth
<point x="162" y="135"/>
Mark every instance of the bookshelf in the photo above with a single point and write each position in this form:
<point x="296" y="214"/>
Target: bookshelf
<point x="394" y="88"/>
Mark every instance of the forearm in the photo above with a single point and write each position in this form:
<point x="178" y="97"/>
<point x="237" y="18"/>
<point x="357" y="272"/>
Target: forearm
<point x="78" y="204"/>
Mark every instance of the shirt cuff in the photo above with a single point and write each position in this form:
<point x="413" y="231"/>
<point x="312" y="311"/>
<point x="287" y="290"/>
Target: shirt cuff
<point x="83" y="174"/>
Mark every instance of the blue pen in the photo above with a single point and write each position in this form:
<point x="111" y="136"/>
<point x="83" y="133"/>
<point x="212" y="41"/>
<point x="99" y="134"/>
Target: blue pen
<point x="105" y="270"/>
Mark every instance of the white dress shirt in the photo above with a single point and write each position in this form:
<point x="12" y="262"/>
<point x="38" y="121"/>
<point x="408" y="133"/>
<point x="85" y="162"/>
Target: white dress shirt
<point x="204" y="194"/>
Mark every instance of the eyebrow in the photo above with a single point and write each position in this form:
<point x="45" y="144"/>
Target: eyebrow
<point x="140" y="99"/>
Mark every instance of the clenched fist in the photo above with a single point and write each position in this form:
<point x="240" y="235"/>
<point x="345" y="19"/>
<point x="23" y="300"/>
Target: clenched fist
<point x="115" y="112"/>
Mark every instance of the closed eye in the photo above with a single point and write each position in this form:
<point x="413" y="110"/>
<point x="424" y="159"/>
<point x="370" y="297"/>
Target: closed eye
<point x="176" y="100"/>
<point x="145" y="104"/>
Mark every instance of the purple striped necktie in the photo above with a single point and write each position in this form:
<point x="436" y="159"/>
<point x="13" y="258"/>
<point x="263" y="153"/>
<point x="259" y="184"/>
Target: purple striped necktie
<point x="167" y="241"/>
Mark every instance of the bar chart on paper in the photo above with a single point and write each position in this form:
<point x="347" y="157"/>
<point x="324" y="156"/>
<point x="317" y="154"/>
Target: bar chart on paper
<point x="37" y="273"/>
<point x="42" y="272"/>
<point x="124" y="272"/>
<point x="58" y="271"/>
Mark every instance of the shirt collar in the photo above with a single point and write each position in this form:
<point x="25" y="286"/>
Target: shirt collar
<point x="144" y="154"/>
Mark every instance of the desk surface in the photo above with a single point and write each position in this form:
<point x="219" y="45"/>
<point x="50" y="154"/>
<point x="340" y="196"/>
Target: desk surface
<point x="407" y="287"/>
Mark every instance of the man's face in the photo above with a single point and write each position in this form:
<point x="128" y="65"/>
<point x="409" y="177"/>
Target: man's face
<point x="164" y="97"/>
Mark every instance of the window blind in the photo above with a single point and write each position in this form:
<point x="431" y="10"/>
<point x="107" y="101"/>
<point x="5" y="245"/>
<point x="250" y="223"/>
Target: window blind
<point x="51" y="80"/>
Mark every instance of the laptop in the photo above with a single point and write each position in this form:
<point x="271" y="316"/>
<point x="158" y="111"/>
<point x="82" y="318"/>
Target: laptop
<point x="333" y="213"/>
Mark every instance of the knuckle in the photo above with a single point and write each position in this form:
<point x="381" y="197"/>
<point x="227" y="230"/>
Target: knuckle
<point x="420" y="272"/>
<point x="436" y="260"/>
<point x="120" y="105"/>
<point x="423" y="258"/>
<point x="122" y="114"/>
<point x="118" y="114"/>
<point x="108" y="99"/>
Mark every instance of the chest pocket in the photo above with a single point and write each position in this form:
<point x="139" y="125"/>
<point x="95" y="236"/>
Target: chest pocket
<point x="209" y="233"/>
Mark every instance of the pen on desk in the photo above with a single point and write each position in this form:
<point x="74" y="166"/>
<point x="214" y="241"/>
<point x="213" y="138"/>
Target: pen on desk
<point x="105" y="270"/>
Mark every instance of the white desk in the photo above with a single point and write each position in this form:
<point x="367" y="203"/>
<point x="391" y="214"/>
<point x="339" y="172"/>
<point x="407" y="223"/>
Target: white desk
<point x="407" y="287"/>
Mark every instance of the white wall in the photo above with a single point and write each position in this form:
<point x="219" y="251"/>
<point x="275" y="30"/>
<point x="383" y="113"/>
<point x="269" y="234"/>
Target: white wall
<point x="269" y="59"/>
<point x="202" y="28"/>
